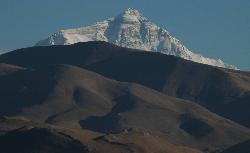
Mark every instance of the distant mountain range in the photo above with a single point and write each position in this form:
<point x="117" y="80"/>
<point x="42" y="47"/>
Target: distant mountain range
<point x="132" y="30"/>
<point x="97" y="97"/>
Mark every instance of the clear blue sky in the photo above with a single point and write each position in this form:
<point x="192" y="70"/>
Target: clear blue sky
<point x="214" y="28"/>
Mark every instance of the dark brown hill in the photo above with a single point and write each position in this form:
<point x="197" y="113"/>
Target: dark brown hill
<point x="225" y="92"/>
<point x="243" y="147"/>
<point x="138" y="141"/>
<point x="39" y="140"/>
<point x="79" y="54"/>
<point x="8" y="69"/>
<point x="74" y="98"/>
<point x="33" y="137"/>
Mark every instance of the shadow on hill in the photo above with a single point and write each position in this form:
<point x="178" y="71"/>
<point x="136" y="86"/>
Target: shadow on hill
<point x="25" y="88"/>
<point x="40" y="140"/>
<point x="109" y="122"/>
<point x="194" y="127"/>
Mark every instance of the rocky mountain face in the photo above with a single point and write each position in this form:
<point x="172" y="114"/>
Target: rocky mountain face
<point x="132" y="30"/>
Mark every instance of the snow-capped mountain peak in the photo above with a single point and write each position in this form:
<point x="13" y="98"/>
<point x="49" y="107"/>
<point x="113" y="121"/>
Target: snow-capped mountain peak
<point x="132" y="30"/>
<point x="132" y="12"/>
<point x="131" y="15"/>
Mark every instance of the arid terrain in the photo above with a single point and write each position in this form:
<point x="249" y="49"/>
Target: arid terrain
<point x="96" y="97"/>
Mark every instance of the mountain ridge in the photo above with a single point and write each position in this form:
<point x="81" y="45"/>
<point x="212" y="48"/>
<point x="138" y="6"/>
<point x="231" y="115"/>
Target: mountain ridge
<point x="132" y="30"/>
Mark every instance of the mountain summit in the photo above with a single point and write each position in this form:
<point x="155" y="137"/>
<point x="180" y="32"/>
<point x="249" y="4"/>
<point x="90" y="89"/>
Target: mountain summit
<point x="132" y="30"/>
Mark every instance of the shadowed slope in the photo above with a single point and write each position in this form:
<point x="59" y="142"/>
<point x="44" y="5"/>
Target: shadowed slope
<point x="243" y="147"/>
<point x="78" y="54"/>
<point x="139" y="141"/>
<point x="78" y="98"/>
<point x="24" y="88"/>
<point x="222" y="91"/>
<point x="40" y="140"/>
<point x="110" y="122"/>
<point x="6" y="69"/>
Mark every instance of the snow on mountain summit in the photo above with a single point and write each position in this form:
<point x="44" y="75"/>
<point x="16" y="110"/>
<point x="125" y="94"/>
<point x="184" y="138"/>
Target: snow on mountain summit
<point x="132" y="30"/>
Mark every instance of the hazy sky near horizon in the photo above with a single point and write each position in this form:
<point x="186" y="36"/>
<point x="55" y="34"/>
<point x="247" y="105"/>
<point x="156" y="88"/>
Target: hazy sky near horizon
<point x="214" y="28"/>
